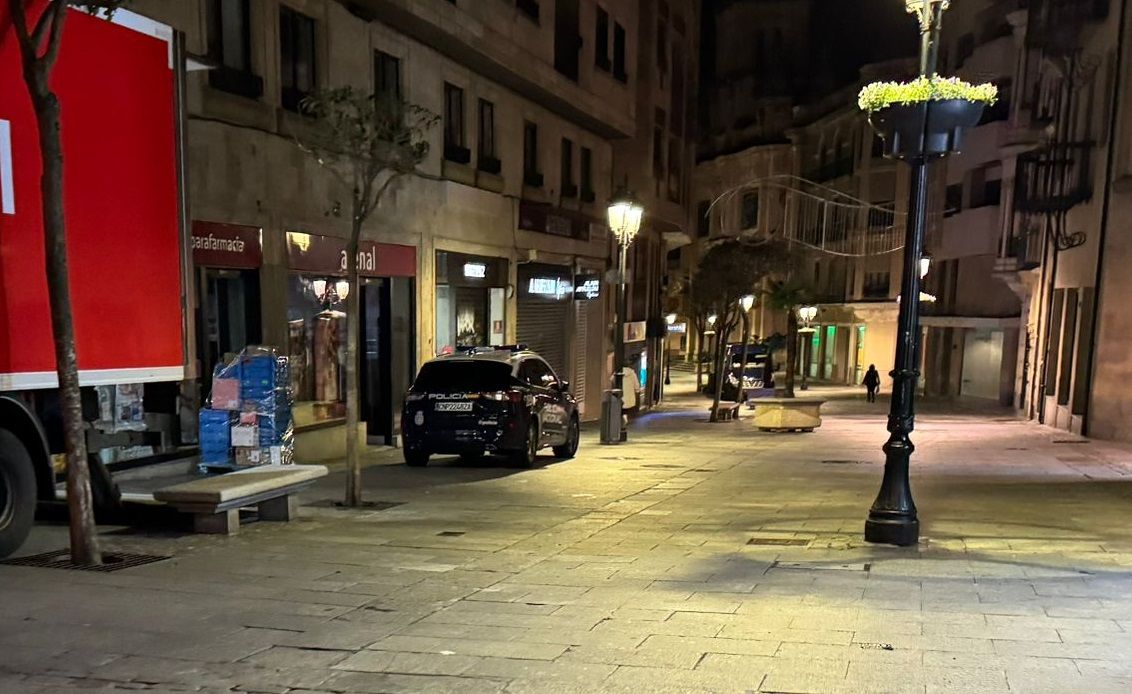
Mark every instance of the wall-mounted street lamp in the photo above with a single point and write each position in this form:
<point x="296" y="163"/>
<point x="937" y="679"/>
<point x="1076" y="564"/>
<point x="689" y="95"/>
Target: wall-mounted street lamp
<point x="747" y="302"/>
<point x="624" y="216"/>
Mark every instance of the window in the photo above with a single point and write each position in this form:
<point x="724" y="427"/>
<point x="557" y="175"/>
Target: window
<point x="659" y="121"/>
<point x="876" y="285"/>
<point x="662" y="48"/>
<point x="601" y="40"/>
<point x="529" y="8"/>
<point x="953" y="200"/>
<point x="569" y="190"/>
<point x="296" y="57"/>
<point x="703" y="218"/>
<point x="454" y="149"/>
<point x="992" y="192"/>
<point x="749" y="210"/>
<point x="531" y="174"/>
<point x="675" y="173"/>
<point x="229" y="43"/>
<point x="488" y="159"/>
<point x="587" y="165"/>
<point x="677" y="103"/>
<point x="387" y="76"/>
<point x="964" y="48"/>
<point x="537" y="373"/>
<point x="619" y="53"/>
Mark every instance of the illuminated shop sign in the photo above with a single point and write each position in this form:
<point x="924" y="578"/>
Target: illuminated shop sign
<point x="475" y="270"/>
<point x="587" y="287"/>
<point x="549" y="286"/>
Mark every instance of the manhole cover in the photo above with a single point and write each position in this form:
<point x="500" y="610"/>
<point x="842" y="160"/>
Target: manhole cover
<point x="450" y="533"/>
<point x="818" y="566"/>
<point x="61" y="559"/>
<point x="366" y="505"/>
<point x="779" y="541"/>
<point x="844" y="462"/>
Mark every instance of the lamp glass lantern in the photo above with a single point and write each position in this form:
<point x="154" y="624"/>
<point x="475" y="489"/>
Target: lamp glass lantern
<point x="747" y="302"/>
<point x="342" y="289"/>
<point x="625" y="216"/>
<point x="711" y="320"/>
<point x="670" y="319"/>
<point x="925" y="265"/>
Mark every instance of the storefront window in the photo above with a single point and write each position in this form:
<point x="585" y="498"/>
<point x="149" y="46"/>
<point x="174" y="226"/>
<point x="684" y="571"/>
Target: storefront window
<point x="471" y="300"/>
<point x="317" y="344"/>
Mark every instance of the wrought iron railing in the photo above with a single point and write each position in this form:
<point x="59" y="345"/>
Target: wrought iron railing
<point x="1054" y="178"/>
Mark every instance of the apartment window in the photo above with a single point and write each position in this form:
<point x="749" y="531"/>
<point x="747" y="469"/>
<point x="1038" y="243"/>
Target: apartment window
<point x="454" y="148"/>
<point x="601" y="41"/>
<point x="703" y="218"/>
<point x="229" y="43"/>
<point x="569" y="190"/>
<point x="964" y="49"/>
<point x="953" y="200"/>
<point x="529" y="8"/>
<point x="296" y="57"/>
<point x="662" y="48"/>
<point x="675" y="174"/>
<point x="619" y="53"/>
<point x="992" y="192"/>
<point x="678" y="96"/>
<point x="488" y="159"/>
<point x="586" y="164"/>
<point x="387" y="76"/>
<point x="531" y="174"/>
<point x="749" y="210"/>
<point x="876" y="285"/>
<point x="659" y="120"/>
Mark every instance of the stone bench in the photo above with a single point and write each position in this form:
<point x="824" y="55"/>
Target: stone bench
<point x="788" y="414"/>
<point x="727" y="411"/>
<point x="215" y="502"/>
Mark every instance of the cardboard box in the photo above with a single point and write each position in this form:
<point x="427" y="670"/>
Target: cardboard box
<point x="244" y="435"/>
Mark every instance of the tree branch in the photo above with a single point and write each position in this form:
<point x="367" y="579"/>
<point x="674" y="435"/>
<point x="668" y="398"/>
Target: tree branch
<point x="55" y="39"/>
<point x="20" y="22"/>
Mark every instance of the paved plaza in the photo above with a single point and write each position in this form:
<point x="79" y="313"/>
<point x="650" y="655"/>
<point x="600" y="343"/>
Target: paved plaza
<point x="697" y="557"/>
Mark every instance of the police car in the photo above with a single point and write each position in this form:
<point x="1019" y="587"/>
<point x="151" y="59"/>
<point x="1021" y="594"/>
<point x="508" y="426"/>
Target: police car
<point x="502" y="400"/>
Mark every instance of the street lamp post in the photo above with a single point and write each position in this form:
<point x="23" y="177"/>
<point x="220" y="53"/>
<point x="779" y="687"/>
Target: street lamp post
<point x="806" y="315"/>
<point x="624" y="222"/>
<point x="892" y="518"/>
<point x="746" y="304"/>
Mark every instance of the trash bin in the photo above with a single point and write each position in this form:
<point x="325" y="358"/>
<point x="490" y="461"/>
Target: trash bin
<point x="611" y="417"/>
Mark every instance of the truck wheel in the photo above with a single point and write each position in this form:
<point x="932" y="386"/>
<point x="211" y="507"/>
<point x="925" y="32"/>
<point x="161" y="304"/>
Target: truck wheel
<point x="17" y="493"/>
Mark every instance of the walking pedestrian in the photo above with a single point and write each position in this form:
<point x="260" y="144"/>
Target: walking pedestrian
<point x="871" y="381"/>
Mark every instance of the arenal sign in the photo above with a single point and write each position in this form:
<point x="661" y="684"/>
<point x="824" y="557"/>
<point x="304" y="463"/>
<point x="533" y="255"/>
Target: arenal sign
<point x="326" y="255"/>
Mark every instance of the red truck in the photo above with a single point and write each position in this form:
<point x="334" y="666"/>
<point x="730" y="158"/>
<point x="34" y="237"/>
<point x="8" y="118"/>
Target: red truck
<point x="119" y="85"/>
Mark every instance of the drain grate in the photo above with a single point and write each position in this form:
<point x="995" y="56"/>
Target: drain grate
<point x="1070" y="441"/>
<point x="662" y="466"/>
<point x="779" y="541"/>
<point x="450" y="533"/>
<point x="819" y="566"/>
<point x="61" y="559"/>
<point x="365" y="505"/>
<point x="844" y="462"/>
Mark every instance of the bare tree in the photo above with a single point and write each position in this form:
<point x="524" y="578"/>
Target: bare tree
<point x="39" y="38"/>
<point x="367" y="142"/>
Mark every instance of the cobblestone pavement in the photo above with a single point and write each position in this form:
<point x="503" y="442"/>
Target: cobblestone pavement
<point x="698" y="557"/>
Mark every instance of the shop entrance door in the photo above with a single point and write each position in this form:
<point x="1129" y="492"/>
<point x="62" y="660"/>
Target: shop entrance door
<point x="387" y="354"/>
<point x="229" y="316"/>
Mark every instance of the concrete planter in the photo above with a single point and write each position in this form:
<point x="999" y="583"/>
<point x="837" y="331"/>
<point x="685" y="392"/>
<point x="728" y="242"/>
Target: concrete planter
<point x="788" y="414"/>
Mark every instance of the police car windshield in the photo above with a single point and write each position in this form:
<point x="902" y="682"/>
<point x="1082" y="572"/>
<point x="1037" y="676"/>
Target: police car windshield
<point x="463" y="376"/>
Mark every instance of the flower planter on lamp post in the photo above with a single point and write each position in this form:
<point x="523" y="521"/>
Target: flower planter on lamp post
<point x="919" y="121"/>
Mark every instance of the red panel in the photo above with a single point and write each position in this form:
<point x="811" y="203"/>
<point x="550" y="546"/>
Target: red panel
<point x="396" y="261"/>
<point x="115" y="87"/>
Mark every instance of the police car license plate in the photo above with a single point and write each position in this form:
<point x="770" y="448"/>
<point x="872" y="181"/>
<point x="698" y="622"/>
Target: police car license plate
<point x="453" y="407"/>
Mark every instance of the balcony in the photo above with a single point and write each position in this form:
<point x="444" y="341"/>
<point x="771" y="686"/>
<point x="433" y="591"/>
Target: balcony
<point x="1055" y="178"/>
<point x="834" y="169"/>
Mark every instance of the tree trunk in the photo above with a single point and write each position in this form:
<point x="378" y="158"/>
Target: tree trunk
<point x="791" y="351"/>
<point x="718" y="362"/>
<point x="84" y="541"/>
<point x="353" y="334"/>
<point x="740" y="392"/>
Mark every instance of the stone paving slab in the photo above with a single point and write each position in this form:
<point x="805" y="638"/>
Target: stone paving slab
<point x="696" y="558"/>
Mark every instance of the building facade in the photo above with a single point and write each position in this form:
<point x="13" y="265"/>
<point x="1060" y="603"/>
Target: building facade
<point x="499" y="238"/>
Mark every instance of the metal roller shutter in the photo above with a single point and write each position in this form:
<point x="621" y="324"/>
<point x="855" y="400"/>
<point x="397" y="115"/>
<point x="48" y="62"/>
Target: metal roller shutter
<point x="543" y="321"/>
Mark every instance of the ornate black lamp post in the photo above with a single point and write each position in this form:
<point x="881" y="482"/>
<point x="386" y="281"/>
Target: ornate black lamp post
<point x="916" y="133"/>
<point x="624" y="215"/>
<point x="806" y="315"/>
